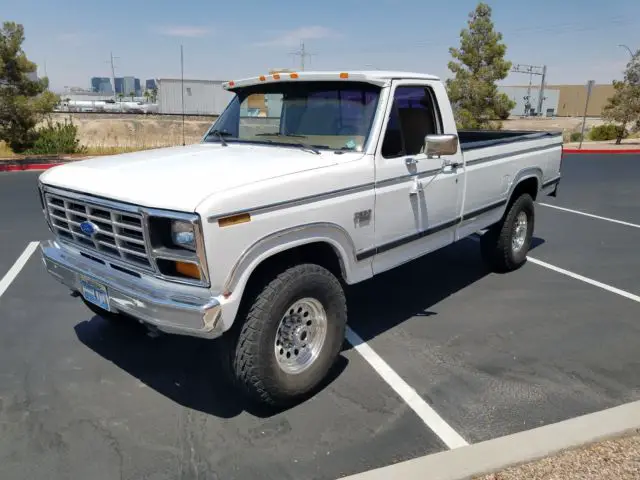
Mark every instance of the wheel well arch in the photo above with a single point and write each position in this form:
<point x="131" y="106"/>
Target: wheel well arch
<point x="319" y="252"/>
<point x="326" y="244"/>
<point x="525" y="182"/>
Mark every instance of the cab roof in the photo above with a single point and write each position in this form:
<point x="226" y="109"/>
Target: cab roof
<point x="377" y="77"/>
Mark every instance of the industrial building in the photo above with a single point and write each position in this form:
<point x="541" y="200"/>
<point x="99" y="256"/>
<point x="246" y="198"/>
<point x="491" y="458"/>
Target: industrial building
<point x="201" y="97"/>
<point x="559" y="100"/>
<point x="573" y="98"/>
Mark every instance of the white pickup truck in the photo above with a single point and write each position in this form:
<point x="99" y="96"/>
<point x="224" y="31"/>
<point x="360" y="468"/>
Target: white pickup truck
<point x="253" y="233"/>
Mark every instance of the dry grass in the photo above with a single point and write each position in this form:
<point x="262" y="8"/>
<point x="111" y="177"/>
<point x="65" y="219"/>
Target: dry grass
<point x="110" y="150"/>
<point x="134" y="132"/>
<point x="112" y="134"/>
<point x="615" y="459"/>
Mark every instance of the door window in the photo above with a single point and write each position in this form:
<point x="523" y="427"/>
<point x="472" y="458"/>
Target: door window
<point x="413" y="116"/>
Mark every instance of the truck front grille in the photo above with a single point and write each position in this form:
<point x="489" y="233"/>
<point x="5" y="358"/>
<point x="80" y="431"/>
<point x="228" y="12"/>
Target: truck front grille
<point x="120" y="233"/>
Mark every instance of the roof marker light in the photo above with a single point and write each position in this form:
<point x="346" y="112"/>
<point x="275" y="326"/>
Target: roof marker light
<point x="293" y="75"/>
<point x="276" y="76"/>
<point x="231" y="83"/>
<point x="262" y="78"/>
<point x="344" y="75"/>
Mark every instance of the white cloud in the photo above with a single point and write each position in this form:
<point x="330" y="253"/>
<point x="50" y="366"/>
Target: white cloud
<point x="189" y="31"/>
<point x="292" y="38"/>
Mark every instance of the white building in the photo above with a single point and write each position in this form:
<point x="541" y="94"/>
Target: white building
<point x="201" y="97"/>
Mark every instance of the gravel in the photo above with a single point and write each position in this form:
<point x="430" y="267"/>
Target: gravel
<point x="617" y="459"/>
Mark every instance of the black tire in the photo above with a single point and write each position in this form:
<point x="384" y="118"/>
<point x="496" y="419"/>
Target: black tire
<point x="496" y="244"/>
<point x="252" y="356"/>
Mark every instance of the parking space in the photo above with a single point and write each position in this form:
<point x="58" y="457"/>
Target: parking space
<point x="21" y="216"/>
<point x="491" y="354"/>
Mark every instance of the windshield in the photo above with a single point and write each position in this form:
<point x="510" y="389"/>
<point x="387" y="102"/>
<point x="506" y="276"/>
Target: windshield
<point x="324" y="115"/>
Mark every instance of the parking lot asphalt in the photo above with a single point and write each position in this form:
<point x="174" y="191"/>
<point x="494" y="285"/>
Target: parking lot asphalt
<point x="491" y="354"/>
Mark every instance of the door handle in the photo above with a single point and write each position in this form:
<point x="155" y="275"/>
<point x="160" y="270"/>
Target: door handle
<point x="453" y="166"/>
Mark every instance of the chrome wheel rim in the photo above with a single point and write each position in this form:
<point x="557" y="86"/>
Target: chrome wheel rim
<point x="519" y="232"/>
<point x="300" y="336"/>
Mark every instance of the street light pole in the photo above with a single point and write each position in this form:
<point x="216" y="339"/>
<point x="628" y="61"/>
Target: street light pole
<point x="627" y="48"/>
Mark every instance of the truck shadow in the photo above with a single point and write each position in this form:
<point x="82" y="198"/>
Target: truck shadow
<point x="187" y="370"/>
<point x="412" y="290"/>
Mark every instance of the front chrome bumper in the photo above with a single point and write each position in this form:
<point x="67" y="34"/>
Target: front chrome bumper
<point x="170" y="307"/>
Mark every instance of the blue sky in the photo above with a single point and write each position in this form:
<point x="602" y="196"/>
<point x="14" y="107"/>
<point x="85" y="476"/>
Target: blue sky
<point x="576" y="39"/>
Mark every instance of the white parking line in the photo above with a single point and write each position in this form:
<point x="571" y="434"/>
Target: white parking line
<point x="17" y="266"/>
<point x="590" y="281"/>
<point x="428" y="415"/>
<point x="577" y="276"/>
<point x="612" y="220"/>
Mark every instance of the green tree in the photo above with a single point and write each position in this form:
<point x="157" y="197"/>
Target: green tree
<point x="623" y="107"/>
<point x="132" y="94"/>
<point x="23" y="102"/>
<point x="477" y="65"/>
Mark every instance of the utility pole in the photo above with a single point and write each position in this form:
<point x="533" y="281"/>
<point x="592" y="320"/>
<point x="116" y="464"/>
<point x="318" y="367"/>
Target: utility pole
<point x="534" y="70"/>
<point x="182" y="89"/>
<point x="302" y="53"/>
<point x="590" y="84"/>
<point x="113" y="75"/>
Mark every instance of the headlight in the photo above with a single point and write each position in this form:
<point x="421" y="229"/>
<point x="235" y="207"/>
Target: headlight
<point x="183" y="234"/>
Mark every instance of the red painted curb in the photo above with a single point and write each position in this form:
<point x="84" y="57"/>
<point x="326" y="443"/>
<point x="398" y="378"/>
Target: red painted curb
<point x="605" y="151"/>
<point x="32" y="166"/>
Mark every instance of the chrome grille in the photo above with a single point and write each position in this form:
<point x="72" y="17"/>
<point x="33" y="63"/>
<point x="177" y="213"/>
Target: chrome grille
<point x="120" y="233"/>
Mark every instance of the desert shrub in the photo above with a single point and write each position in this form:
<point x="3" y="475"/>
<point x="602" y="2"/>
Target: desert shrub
<point x="57" y="138"/>
<point x="606" y="132"/>
<point x="575" y="137"/>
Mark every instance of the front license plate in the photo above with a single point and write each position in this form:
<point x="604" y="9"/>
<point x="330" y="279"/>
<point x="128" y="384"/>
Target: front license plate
<point x="95" y="293"/>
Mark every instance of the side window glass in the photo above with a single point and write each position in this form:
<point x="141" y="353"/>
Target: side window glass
<point x="413" y="117"/>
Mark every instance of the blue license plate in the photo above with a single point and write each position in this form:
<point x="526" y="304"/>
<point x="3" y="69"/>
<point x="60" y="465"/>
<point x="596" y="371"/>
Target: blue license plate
<point x="94" y="293"/>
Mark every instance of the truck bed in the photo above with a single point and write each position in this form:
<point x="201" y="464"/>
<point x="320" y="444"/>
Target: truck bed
<point x="474" y="139"/>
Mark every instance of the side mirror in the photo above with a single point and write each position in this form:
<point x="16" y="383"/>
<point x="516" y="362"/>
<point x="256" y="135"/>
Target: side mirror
<point x="436" y="145"/>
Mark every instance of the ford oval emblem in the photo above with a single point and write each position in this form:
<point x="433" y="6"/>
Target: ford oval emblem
<point x="89" y="228"/>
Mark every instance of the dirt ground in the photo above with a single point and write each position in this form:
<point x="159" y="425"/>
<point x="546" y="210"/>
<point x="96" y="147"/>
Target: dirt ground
<point x="140" y="131"/>
<point x="617" y="459"/>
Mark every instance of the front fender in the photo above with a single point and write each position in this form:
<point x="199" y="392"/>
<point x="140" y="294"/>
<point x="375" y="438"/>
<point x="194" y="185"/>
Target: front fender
<point x="289" y="238"/>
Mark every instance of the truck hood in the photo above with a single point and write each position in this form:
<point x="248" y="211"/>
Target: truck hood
<point x="179" y="178"/>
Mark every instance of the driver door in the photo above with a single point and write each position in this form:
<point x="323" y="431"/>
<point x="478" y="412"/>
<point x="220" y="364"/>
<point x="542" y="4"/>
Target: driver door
<point x="418" y="198"/>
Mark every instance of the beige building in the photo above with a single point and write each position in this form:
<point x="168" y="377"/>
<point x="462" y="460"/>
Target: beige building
<point x="573" y="97"/>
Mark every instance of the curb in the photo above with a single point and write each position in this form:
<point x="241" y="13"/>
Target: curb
<point x="500" y="453"/>
<point x="33" y="166"/>
<point x="602" y="151"/>
<point x="31" y="163"/>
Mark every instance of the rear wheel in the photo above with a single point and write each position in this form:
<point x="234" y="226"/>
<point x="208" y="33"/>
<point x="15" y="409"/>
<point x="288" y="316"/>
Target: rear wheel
<point x="506" y="244"/>
<point x="291" y="336"/>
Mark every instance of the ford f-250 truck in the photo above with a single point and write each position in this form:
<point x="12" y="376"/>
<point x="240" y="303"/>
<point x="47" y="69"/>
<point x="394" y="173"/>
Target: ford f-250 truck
<point x="253" y="233"/>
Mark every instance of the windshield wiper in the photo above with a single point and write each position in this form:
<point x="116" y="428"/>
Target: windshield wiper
<point x="303" y="146"/>
<point x="280" y="135"/>
<point x="220" y="136"/>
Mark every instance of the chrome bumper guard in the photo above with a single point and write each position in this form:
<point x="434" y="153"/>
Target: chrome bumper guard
<point x="170" y="307"/>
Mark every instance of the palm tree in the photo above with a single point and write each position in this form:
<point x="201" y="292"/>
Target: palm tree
<point x="132" y="94"/>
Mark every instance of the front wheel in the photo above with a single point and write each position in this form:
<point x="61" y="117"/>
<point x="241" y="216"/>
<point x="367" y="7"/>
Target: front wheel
<point x="291" y="336"/>
<point x="506" y="244"/>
